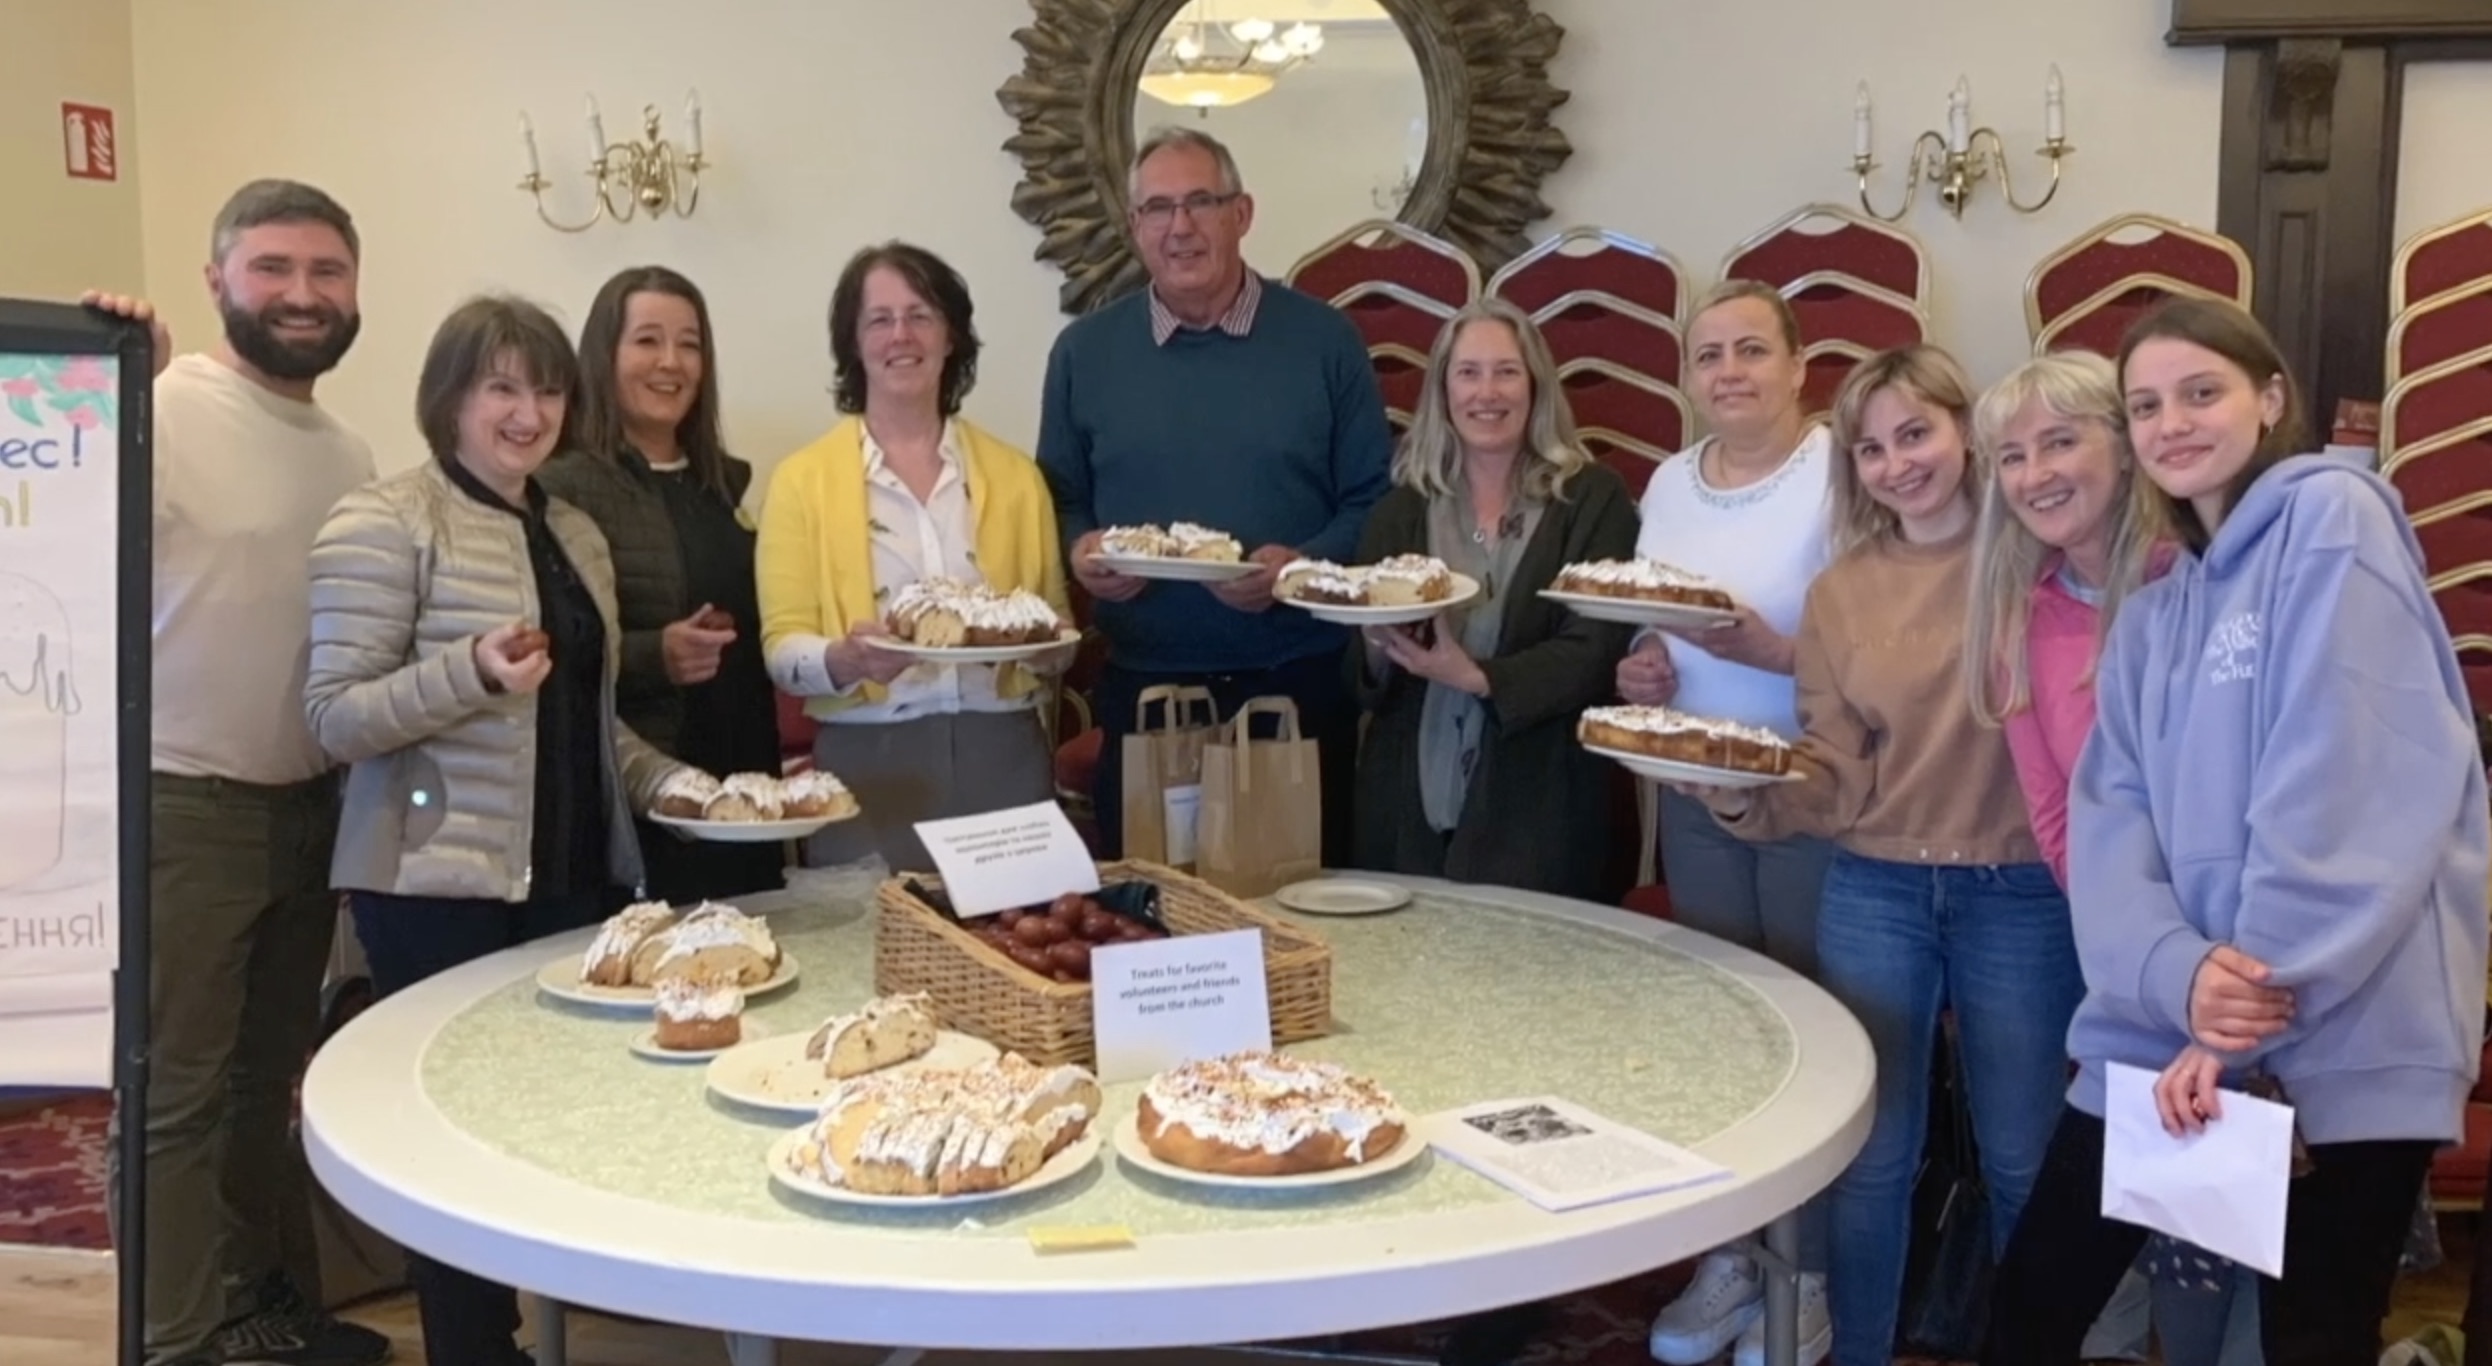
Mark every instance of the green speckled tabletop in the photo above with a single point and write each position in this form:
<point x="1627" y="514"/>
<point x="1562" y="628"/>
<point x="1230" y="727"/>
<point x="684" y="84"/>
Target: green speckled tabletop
<point x="1453" y="999"/>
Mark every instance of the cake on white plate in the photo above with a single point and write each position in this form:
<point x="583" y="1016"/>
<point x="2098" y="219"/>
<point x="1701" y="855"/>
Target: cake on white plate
<point x="1260" y="1113"/>
<point x="1395" y="581"/>
<point x="947" y="614"/>
<point x="697" y="1014"/>
<point x="712" y="940"/>
<point x="951" y="1131"/>
<point x="1642" y="580"/>
<point x="884" y="1032"/>
<point x="1677" y="736"/>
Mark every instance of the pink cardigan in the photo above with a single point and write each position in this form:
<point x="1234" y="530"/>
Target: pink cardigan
<point x="2045" y="738"/>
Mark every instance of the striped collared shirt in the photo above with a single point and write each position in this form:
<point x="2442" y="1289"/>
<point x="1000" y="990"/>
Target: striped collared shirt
<point x="1237" y="322"/>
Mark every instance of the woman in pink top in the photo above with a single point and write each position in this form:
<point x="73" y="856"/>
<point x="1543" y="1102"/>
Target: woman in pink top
<point x="2067" y="530"/>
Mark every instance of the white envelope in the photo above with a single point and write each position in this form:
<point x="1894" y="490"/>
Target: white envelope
<point x="2221" y="1189"/>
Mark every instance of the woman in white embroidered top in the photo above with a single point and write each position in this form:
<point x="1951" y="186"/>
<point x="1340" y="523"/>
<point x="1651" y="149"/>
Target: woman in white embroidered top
<point x="1747" y="508"/>
<point x="901" y="491"/>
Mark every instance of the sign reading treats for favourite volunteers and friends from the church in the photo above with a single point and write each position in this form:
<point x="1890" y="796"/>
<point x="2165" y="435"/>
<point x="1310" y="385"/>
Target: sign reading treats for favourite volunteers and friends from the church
<point x="59" y="793"/>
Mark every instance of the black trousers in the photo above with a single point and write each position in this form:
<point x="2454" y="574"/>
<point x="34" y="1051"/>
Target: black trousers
<point x="466" y="1318"/>
<point x="2344" y="1229"/>
<point x="1327" y="714"/>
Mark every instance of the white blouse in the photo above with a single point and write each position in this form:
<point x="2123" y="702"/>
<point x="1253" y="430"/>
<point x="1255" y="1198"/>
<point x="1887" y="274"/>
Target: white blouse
<point x="1764" y="543"/>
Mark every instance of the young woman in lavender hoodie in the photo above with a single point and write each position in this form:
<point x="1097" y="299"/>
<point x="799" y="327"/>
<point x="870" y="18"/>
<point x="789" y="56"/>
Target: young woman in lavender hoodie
<point x="2069" y="529"/>
<point x="2278" y="850"/>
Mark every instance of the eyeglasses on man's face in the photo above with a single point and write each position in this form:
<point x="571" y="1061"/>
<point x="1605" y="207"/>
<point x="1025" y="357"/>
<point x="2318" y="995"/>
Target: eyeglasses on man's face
<point x="1159" y="213"/>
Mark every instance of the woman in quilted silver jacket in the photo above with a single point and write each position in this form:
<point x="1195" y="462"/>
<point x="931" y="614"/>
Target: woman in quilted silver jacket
<point x="463" y="657"/>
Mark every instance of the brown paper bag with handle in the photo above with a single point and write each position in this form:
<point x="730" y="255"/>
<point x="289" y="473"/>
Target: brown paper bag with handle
<point x="1263" y="804"/>
<point x="1163" y="772"/>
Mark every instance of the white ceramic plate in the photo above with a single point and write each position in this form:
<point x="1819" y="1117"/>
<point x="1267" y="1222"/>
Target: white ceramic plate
<point x="1129" y="1147"/>
<point x="1672" y="771"/>
<point x="1171" y="568"/>
<point x="645" y="1044"/>
<point x="561" y="979"/>
<point x="775" y="1074"/>
<point x="1465" y="589"/>
<point x="1064" y="1166"/>
<point x="1633" y="613"/>
<point x="749" y="832"/>
<point x="1342" y="896"/>
<point x="978" y="654"/>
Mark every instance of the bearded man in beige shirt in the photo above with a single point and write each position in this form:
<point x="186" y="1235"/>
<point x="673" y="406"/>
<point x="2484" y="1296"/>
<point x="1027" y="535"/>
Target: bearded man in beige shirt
<point x="243" y="802"/>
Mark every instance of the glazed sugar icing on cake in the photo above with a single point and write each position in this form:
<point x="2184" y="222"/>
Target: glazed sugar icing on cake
<point x="1664" y="721"/>
<point x="1321" y="576"/>
<point x="1407" y="568"/>
<point x="620" y="937"/>
<point x="810" y="784"/>
<point x="1637" y="574"/>
<point x="1135" y="540"/>
<point x="690" y="783"/>
<point x="698" y="998"/>
<point x="1269" y="1103"/>
<point x="978" y="606"/>
<point x="711" y="926"/>
<point x="947" y="1131"/>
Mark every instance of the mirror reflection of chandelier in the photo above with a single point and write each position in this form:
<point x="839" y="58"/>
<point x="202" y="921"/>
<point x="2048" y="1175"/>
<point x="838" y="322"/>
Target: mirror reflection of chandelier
<point x="1209" y="65"/>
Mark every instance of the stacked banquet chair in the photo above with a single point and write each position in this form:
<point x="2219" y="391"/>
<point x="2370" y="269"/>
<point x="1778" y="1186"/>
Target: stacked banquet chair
<point x="2436" y="447"/>
<point x="1610" y="309"/>
<point x="2085" y="295"/>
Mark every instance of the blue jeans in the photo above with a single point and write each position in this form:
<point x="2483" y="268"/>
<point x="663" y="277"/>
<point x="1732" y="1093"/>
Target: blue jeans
<point x="1896" y="942"/>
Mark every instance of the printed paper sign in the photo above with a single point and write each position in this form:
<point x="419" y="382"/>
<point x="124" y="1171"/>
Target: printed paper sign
<point x="1024" y="856"/>
<point x="1156" y="1003"/>
<point x="59" y="785"/>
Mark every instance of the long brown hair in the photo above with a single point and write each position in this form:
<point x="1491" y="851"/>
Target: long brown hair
<point x="2230" y="332"/>
<point x="599" y="426"/>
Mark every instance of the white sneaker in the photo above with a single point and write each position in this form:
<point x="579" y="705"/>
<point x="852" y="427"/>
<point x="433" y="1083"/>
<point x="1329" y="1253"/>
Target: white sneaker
<point x="1727" y="1296"/>
<point x="1816" y="1328"/>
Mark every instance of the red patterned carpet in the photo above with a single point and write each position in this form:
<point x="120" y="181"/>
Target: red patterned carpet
<point x="52" y="1173"/>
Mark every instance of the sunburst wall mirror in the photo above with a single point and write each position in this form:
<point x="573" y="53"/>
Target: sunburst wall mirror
<point x="1433" y="112"/>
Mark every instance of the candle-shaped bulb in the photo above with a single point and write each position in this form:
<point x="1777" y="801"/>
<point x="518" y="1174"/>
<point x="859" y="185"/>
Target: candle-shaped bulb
<point x="1959" y="116"/>
<point x="527" y="137"/>
<point x="2054" y="107"/>
<point x="1860" y="123"/>
<point x="596" y="132"/>
<point x="692" y="116"/>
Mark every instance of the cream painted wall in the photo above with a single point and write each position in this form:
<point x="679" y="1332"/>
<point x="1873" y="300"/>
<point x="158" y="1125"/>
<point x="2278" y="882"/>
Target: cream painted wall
<point x="837" y="122"/>
<point x="64" y="235"/>
<point x="2443" y="173"/>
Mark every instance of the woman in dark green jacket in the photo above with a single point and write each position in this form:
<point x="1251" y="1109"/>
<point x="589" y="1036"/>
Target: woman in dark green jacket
<point x="649" y="466"/>
<point x="1469" y="769"/>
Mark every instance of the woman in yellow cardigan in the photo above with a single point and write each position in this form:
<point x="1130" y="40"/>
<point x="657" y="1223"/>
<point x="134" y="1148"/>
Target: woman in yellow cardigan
<point x="904" y="489"/>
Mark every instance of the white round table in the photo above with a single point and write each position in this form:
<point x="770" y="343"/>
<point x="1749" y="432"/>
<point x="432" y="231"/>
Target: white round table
<point x="491" y="1128"/>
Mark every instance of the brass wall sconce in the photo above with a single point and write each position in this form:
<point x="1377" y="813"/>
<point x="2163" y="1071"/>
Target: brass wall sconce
<point x="651" y="176"/>
<point x="1960" y="158"/>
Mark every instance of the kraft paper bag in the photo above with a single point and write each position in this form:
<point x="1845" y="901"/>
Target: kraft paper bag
<point x="1263" y="804"/>
<point x="1163" y="772"/>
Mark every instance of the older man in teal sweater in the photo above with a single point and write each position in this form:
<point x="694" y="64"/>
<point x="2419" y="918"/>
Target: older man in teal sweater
<point x="1218" y="397"/>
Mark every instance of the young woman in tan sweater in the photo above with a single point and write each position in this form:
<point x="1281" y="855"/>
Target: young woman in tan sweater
<point x="1937" y="896"/>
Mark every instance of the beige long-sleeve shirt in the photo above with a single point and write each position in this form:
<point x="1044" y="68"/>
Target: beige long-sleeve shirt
<point x="1897" y="767"/>
<point x="244" y="479"/>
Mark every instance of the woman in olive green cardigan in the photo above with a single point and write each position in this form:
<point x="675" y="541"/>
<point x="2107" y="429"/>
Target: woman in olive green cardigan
<point x="1469" y="769"/>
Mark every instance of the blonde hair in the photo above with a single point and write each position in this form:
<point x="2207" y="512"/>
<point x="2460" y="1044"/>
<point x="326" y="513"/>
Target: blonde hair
<point x="2074" y="386"/>
<point x="1731" y="291"/>
<point x="1854" y="519"/>
<point x="1430" y="457"/>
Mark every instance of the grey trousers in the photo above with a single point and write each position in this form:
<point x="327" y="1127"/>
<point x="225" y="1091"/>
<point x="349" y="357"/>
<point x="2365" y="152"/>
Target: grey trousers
<point x="243" y="918"/>
<point x="934" y="767"/>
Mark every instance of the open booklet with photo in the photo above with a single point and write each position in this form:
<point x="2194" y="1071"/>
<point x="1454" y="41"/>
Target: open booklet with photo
<point x="1561" y="1156"/>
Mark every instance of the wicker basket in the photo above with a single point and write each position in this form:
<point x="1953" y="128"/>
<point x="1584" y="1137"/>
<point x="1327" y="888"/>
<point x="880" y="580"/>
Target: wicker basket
<point x="977" y="990"/>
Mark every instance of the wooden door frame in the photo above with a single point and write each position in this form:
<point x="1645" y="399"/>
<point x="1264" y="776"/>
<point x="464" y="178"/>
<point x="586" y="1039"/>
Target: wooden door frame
<point x="2314" y="95"/>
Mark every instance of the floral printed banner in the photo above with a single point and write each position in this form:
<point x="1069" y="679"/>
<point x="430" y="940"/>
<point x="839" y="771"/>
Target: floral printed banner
<point x="60" y="541"/>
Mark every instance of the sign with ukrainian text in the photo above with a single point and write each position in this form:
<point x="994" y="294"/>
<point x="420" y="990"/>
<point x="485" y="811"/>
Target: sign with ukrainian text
<point x="60" y="470"/>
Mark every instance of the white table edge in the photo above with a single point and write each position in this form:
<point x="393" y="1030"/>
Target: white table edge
<point x="405" y="1170"/>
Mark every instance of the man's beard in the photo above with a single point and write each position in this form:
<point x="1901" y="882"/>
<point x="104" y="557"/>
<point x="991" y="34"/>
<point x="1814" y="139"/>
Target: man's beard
<point x="254" y="338"/>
